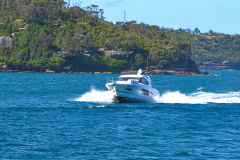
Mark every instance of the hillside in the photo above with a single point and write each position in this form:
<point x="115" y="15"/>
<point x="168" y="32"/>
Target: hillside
<point x="37" y="35"/>
<point x="210" y="50"/>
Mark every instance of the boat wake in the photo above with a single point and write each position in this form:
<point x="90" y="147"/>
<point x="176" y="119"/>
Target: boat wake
<point x="199" y="97"/>
<point x="96" y="96"/>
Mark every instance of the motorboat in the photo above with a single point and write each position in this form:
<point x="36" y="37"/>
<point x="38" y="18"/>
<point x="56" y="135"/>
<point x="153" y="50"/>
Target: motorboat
<point x="132" y="88"/>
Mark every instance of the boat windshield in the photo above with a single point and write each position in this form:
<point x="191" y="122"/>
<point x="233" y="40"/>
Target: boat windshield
<point x="127" y="78"/>
<point x="143" y="81"/>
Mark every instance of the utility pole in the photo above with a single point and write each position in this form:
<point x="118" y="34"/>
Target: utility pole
<point x="125" y="17"/>
<point x="82" y="16"/>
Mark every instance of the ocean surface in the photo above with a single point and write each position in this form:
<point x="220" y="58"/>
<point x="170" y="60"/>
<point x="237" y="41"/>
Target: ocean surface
<point x="71" y="116"/>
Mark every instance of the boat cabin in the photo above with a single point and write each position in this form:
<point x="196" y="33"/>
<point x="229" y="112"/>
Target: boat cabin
<point x="140" y="78"/>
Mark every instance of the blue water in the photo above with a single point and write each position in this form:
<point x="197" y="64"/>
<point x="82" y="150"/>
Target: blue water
<point x="49" y="116"/>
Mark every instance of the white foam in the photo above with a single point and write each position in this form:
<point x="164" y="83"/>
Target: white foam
<point x="96" y="96"/>
<point x="199" y="97"/>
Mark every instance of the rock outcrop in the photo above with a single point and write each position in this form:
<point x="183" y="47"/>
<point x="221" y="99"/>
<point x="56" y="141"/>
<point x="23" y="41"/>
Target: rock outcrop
<point x="6" y="42"/>
<point x="118" y="54"/>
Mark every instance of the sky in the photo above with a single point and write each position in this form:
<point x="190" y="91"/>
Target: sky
<point x="222" y="16"/>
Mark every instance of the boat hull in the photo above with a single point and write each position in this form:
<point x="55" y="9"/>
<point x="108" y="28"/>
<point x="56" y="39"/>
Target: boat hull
<point x="132" y="93"/>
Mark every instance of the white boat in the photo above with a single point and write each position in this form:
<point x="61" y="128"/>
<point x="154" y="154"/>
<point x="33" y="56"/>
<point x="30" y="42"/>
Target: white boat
<point x="132" y="88"/>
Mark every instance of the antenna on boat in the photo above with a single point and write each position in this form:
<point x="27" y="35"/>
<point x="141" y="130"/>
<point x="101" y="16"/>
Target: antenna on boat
<point x="139" y="72"/>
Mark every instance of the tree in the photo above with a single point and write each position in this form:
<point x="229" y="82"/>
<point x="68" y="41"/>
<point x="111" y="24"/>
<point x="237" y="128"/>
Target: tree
<point x="196" y="31"/>
<point x="29" y="13"/>
<point x="139" y="60"/>
<point x="211" y="33"/>
<point x="101" y="12"/>
<point x="3" y="5"/>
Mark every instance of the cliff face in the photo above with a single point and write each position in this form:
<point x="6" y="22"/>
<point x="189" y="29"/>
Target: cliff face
<point x="6" y="42"/>
<point x="118" y="54"/>
<point x="186" y="65"/>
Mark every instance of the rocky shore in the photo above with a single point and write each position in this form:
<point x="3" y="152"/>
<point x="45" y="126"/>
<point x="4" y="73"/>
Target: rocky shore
<point x="152" y="72"/>
<point x="225" y="65"/>
<point x="167" y="72"/>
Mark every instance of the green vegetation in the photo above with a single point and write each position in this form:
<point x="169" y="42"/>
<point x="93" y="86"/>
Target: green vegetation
<point x="209" y="46"/>
<point x="48" y="34"/>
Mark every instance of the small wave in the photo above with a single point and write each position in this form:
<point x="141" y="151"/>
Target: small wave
<point x="200" y="89"/>
<point x="100" y="106"/>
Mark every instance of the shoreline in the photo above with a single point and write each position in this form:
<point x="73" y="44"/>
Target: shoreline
<point x="152" y="72"/>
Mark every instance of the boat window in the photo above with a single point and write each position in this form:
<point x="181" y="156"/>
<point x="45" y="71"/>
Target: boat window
<point x="143" y="81"/>
<point x="146" y="92"/>
<point x="127" y="78"/>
